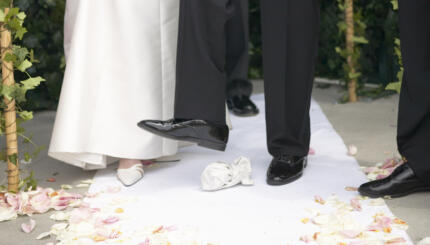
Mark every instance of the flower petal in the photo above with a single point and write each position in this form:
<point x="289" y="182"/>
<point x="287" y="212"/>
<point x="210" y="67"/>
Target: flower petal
<point x="355" y="203"/>
<point x="28" y="227"/>
<point x="43" y="235"/>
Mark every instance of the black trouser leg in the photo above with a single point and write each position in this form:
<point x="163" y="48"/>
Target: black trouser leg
<point x="238" y="52"/>
<point x="414" y="109"/>
<point x="201" y="79"/>
<point x="290" y="43"/>
<point x="237" y="42"/>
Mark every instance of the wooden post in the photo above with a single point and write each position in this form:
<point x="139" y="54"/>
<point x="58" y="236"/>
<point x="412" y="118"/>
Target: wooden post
<point x="10" y="112"/>
<point x="349" y="18"/>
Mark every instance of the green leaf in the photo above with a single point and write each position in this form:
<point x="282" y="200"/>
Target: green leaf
<point x="8" y="91"/>
<point x="20" y="32"/>
<point x="32" y="83"/>
<point x="2" y="15"/>
<point x="24" y="65"/>
<point x="354" y="75"/>
<point x="27" y="157"/>
<point x="20" y="52"/>
<point x="397" y="86"/>
<point x="13" y="159"/>
<point x="395" y="4"/>
<point x="21" y="15"/>
<point x="26" y="115"/>
<point x="10" y="57"/>
<point x="361" y="40"/>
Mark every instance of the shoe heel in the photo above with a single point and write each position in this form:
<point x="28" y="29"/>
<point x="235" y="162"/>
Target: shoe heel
<point x="212" y="145"/>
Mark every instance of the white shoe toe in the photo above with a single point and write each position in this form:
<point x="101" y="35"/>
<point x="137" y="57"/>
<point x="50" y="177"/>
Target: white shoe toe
<point x="130" y="176"/>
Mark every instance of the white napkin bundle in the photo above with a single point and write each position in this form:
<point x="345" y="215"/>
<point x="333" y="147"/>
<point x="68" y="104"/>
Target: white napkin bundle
<point x="221" y="175"/>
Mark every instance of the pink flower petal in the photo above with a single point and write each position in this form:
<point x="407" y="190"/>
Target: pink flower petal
<point x="319" y="200"/>
<point x="171" y="228"/>
<point x="381" y="176"/>
<point x="113" y="189"/>
<point x="146" y="242"/>
<point x="28" y="227"/>
<point x="306" y="239"/>
<point x="79" y="215"/>
<point x="41" y="203"/>
<point x="396" y="241"/>
<point x="369" y="170"/>
<point x="355" y="203"/>
<point x="13" y="200"/>
<point x="350" y="234"/>
<point x="110" y="220"/>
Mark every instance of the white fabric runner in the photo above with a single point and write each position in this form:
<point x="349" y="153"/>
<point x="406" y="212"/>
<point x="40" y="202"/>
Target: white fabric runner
<point x="170" y="193"/>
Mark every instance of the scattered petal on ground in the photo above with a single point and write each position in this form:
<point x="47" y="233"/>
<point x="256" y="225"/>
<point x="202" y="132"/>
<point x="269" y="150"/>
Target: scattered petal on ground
<point x="320" y="200"/>
<point x="355" y="203"/>
<point x="66" y="187"/>
<point x="43" y="235"/>
<point x="352" y="150"/>
<point x="425" y="241"/>
<point x="29" y="226"/>
<point x="36" y="201"/>
<point x="82" y="186"/>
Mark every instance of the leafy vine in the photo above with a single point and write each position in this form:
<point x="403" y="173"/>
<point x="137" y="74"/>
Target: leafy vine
<point x="351" y="25"/>
<point x="13" y="94"/>
<point x="397" y="85"/>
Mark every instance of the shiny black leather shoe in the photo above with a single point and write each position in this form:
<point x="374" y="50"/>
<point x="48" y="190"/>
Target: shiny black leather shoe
<point x="285" y="169"/>
<point x="242" y="106"/>
<point x="401" y="182"/>
<point x="205" y="134"/>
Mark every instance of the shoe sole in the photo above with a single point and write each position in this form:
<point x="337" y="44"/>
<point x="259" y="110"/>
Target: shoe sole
<point x="203" y="143"/>
<point x="251" y="114"/>
<point x="397" y="195"/>
<point x="290" y="180"/>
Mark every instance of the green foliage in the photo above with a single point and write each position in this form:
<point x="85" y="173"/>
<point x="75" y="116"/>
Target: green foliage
<point x="359" y="39"/>
<point x="377" y="61"/>
<point x="397" y="85"/>
<point x="22" y="60"/>
<point x="45" y="19"/>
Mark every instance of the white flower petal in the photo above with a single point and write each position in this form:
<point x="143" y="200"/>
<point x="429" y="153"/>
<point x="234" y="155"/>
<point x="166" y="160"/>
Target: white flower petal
<point x="43" y="235"/>
<point x="82" y="186"/>
<point x="60" y="216"/>
<point x="66" y="187"/>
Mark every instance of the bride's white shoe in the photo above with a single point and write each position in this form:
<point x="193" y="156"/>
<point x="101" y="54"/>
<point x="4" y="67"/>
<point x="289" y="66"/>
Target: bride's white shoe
<point x="130" y="176"/>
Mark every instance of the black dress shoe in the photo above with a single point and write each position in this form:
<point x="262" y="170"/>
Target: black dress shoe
<point x="401" y="182"/>
<point x="205" y="134"/>
<point x="285" y="169"/>
<point x="242" y="106"/>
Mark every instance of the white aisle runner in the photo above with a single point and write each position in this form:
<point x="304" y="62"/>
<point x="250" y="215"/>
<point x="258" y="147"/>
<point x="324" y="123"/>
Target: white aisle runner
<point x="170" y="193"/>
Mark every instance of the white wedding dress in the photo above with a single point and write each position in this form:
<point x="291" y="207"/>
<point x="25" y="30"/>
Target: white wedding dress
<point x="121" y="59"/>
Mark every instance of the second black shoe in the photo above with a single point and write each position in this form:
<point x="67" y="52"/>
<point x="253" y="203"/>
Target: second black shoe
<point x="204" y="133"/>
<point x="242" y="106"/>
<point x="285" y="169"/>
<point x="401" y="182"/>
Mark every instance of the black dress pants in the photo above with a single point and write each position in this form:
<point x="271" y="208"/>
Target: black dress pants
<point x="237" y="49"/>
<point x="414" y="109"/>
<point x="290" y="43"/>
